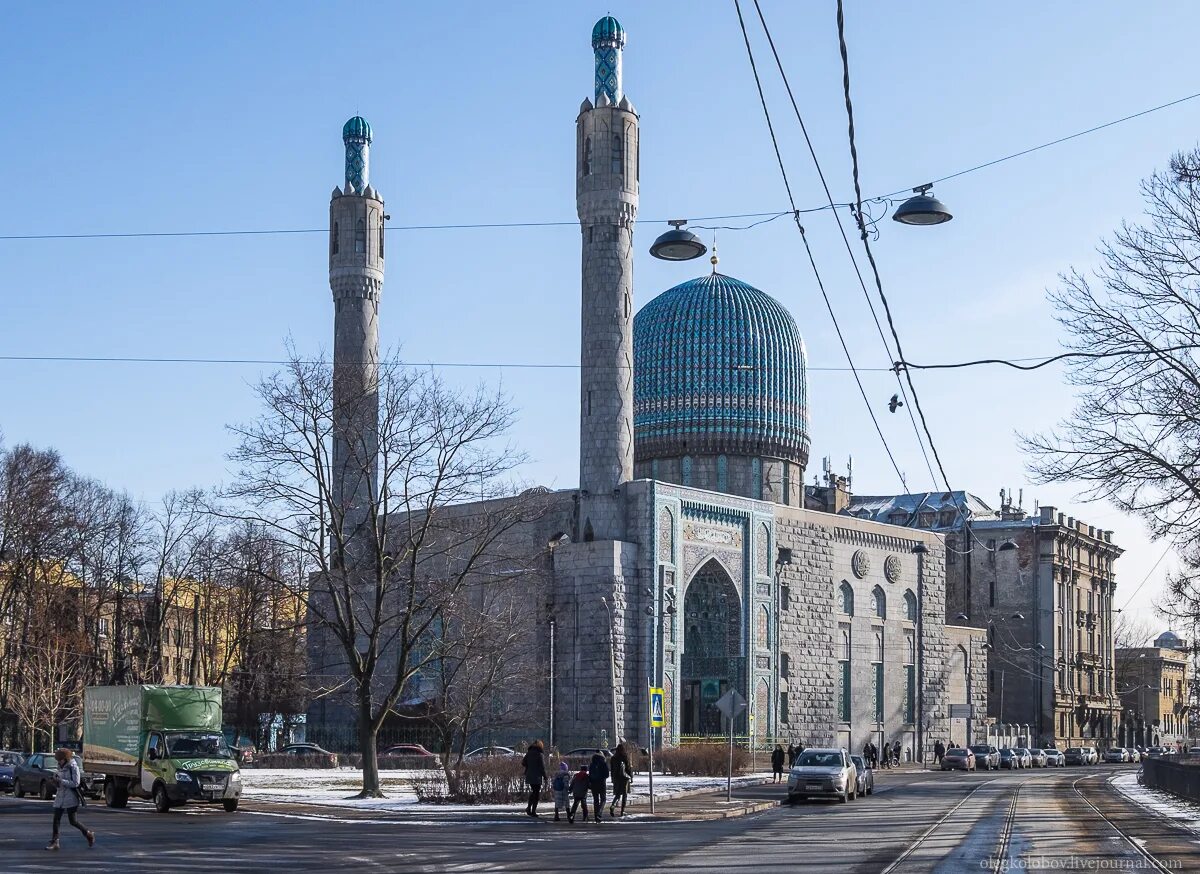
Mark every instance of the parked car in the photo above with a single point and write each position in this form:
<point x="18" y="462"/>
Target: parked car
<point x="285" y="758"/>
<point x="491" y="752"/>
<point x="823" y="773"/>
<point x="1193" y="751"/>
<point x="1054" y="757"/>
<point x="243" y="755"/>
<point x="1081" y="756"/>
<point x="866" y="776"/>
<point x="1154" y="753"/>
<point x="958" y="759"/>
<point x="1116" y="756"/>
<point x="1037" y="758"/>
<point x="1134" y="755"/>
<point x="1026" y="757"/>
<point x="8" y="765"/>
<point x="1010" y="759"/>
<point x="411" y="756"/>
<point x="987" y="757"/>
<point x="583" y="755"/>
<point x="35" y="776"/>
<point x="1093" y="755"/>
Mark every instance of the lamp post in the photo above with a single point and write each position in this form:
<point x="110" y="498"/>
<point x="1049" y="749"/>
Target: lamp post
<point x="677" y="244"/>
<point x="963" y="617"/>
<point x="920" y="551"/>
<point x="612" y="668"/>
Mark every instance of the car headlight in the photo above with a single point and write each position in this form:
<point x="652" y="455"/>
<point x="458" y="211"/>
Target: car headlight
<point x="235" y="777"/>
<point x="183" y="777"/>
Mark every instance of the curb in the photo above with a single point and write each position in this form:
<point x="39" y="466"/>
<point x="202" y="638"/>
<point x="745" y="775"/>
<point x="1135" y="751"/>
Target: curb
<point x="743" y="809"/>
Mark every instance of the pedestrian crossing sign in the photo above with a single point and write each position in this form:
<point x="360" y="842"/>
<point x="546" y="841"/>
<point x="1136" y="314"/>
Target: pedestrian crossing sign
<point x="656" y="707"/>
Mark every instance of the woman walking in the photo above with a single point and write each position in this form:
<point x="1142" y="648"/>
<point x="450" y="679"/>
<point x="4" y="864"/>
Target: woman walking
<point x="535" y="775"/>
<point x="777" y="763"/>
<point x="69" y="797"/>
<point x="622" y="775"/>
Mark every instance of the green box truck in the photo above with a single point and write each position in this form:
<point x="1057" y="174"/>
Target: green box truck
<point x="159" y="742"/>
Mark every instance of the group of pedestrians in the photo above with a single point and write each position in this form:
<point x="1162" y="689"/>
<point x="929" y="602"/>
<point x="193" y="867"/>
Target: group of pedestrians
<point x="571" y="790"/>
<point x="779" y="754"/>
<point x="888" y="758"/>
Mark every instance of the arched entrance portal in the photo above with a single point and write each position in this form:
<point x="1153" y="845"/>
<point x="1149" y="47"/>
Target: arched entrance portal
<point x="712" y="649"/>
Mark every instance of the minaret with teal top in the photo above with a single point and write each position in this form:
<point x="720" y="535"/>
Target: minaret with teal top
<point x="356" y="220"/>
<point x="606" y="196"/>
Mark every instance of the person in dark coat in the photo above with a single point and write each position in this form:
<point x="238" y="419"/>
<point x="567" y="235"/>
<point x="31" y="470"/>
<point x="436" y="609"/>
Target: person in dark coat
<point x="622" y="776"/>
<point x="791" y="754"/>
<point x="777" y="763"/>
<point x="579" y="793"/>
<point x="870" y="754"/>
<point x="535" y="774"/>
<point x="939" y="750"/>
<point x="598" y="784"/>
<point x="895" y="754"/>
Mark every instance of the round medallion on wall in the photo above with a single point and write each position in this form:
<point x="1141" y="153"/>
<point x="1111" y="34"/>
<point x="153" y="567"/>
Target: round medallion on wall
<point x="860" y="564"/>
<point x="892" y="568"/>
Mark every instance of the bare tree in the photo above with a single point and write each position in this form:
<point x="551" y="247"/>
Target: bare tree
<point x="1134" y="435"/>
<point x="387" y="559"/>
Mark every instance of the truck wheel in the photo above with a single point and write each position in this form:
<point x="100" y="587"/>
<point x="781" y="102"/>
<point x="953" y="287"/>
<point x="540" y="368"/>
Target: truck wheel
<point x="230" y="804"/>
<point x="115" y="796"/>
<point x="44" y="792"/>
<point x="161" y="803"/>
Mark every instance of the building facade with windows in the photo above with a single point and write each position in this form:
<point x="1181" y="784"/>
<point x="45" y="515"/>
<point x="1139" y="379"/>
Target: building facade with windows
<point x="1154" y="688"/>
<point x="1042" y="587"/>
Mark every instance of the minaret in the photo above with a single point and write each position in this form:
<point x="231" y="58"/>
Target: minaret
<point x="356" y="278"/>
<point x="606" y="196"/>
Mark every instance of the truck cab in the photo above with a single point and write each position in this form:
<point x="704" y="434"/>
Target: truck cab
<point x="190" y="766"/>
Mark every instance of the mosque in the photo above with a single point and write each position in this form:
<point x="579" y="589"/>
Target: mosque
<point x="689" y="558"/>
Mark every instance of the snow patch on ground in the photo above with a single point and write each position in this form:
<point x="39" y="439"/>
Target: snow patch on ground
<point x="336" y="787"/>
<point x="1178" y="810"/>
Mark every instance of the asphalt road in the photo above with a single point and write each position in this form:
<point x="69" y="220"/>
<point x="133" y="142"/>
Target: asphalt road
<point x="915" y="822"/>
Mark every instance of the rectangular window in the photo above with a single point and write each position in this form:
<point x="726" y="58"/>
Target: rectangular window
<point x="910" y="693"/>
<point x="784" y="665"/>
<point x="991" y="681"/>
<point x="784" y="713"/>
<point x="879" y="691"/>
<point x="992" y="592"/>
<point x="787" y="483"/>
<point x="844" y="693"/>
<point x="785" y="597"/>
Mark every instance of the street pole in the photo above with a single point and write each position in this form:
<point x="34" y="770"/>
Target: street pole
<point x="551" y="733"/>
<point x="729" y="773"/>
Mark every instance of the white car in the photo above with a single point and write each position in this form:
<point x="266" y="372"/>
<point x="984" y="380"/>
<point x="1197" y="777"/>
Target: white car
<point x="823" y="773"/>
<point x="1054" y="758"/>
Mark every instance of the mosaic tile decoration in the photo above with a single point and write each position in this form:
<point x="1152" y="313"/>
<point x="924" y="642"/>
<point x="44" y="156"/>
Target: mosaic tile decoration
<point x="607" y="39"/>
<point x="719" y="366"/>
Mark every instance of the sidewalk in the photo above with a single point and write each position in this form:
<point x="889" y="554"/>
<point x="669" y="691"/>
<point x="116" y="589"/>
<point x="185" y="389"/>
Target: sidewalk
<point x="705" y="804"/>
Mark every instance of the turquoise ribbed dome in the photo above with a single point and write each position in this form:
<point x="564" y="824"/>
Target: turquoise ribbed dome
<point x="608" y="29"/>
<point x="719" y="367"/>
<point x="357" y="128"/>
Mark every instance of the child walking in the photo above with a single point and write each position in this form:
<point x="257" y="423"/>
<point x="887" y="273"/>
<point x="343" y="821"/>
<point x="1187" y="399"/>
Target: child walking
<point x="561" y="784"/>
<point x="579" y="794"/>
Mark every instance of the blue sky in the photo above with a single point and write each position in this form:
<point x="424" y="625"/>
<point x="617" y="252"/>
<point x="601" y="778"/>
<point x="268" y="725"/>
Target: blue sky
<point x="160" y="117"/>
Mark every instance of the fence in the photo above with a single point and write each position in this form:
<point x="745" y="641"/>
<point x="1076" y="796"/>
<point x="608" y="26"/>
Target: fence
<point x="1178" y="778"/>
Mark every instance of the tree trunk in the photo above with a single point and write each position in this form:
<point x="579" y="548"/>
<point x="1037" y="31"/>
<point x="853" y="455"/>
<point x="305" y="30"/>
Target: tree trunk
<point x="368" y="737"/>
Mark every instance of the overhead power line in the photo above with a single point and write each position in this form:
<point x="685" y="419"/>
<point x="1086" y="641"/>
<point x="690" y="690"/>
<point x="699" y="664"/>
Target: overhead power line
<point x="808" y="249"/>
<point x="550" y="224"/>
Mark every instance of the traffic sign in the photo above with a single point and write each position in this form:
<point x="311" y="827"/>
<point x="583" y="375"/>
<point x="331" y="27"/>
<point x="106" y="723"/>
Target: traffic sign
<point x="960" y="711"/>
<point x="731" y="704"/>
<point x="656" y="707"/>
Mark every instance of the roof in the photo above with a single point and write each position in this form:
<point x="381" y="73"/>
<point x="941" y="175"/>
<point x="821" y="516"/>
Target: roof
<point x="906" y="509"/>
<point x="719" y="367"/>
<point x="357" y="128"/>
<point x="608" y="29"/>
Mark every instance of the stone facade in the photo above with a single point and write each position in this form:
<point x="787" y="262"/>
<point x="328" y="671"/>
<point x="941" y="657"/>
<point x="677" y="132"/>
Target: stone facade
<point x="1153" y="684"/>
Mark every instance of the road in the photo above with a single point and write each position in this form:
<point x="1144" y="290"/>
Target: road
<point x="916" y="823"/>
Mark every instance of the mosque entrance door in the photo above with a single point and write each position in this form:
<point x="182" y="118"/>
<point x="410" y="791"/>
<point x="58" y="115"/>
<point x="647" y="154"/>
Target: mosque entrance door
<point x="712" y="660"/>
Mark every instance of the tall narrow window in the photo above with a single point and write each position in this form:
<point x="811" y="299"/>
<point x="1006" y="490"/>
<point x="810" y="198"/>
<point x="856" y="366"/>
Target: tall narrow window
<point x="787" y="484"/>
<point x="381" y="239"/>
<point x="587" y="156"/>
<point x="334" y="242"/>
<point x="784" y="665"/>
<point x="685" y="470"/>
<point x="880" y="603"/>
<point x="784" y="711"/>
<point x="618" y="155"/>
<point x="910" y="606"/>
<point x="722" y="473"/>
<point x="360" y="237"/>
<point x="756" y="485"/>
<point x="847" y="593"/>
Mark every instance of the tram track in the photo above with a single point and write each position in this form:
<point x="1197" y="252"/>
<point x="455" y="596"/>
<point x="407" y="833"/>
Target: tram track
<point x="1138" y="845"/>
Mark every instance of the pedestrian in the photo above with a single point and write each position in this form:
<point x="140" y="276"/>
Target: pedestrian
<point x="895" y="754"/>
<point x="579" y="793"/>
<point x="791" y="754"/>
<point x="867" y="754"/>
<point x="939" y="751"/>
<point x="598" y="784"/>
<point x="535" y="774"/>
<point x="622" y="776"/>
<point x="777" y="763"/>
<point x="69" y="797"/>
<point x="561" y="785"/>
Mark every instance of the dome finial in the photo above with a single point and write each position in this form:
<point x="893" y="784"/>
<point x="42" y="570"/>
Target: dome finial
<point x="714" y="260"/>
<point x="608" y="38"/>
<point x="356" y="134"/>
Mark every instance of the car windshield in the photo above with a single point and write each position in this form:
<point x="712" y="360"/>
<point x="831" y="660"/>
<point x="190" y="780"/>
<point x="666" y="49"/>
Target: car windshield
<point x="1075" y="749"/>
<point x="956" y="752"/>
<point x="10" y="759"/>
<point x="980" y="751"/>
<point x="1037" y="752"/>
<point x="1005" y="751"/>
<point x="814" y="758"/>
<point x="859" y="763"/>
<point x="197" y="744"/>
